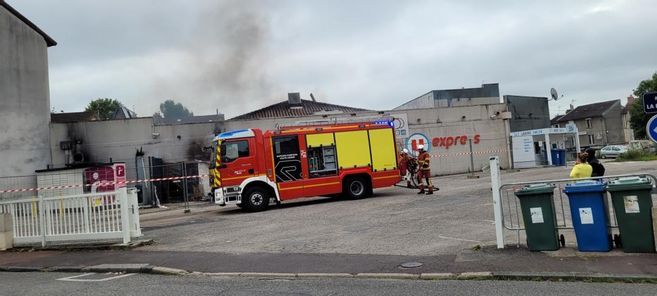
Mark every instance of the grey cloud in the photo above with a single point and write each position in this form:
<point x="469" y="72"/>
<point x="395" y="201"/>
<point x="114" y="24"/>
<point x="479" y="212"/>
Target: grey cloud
<point x="240" y="55"/>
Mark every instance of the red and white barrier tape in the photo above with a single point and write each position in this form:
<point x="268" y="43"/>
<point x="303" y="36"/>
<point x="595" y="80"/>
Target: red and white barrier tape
<point x="201" y="176"/>
<point x="103" y="184"/>
<point x="468" y="153"/>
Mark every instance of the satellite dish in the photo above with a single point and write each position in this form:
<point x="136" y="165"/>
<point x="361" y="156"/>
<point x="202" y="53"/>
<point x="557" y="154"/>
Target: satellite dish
<point x="554" y="94"/>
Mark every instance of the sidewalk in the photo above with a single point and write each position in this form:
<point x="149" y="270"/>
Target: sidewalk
<point x="509" y="261"/>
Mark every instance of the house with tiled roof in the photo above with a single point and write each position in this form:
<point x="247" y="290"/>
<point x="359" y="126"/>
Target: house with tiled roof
<point x="295" y="110"/>
<point x="599" y="124"/>
<point x="297" y="107"/>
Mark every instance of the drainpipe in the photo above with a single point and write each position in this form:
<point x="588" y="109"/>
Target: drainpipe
<point x="507" y="134"/>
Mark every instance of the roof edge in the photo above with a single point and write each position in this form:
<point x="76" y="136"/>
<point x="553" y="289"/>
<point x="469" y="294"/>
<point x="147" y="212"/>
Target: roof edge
<point x="49" y="41"/>
<point x="246" y="115"/>
<point x="602" y="114"/>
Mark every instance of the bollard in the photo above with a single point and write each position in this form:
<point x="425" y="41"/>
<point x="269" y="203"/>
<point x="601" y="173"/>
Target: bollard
<point x="6" y="232"/>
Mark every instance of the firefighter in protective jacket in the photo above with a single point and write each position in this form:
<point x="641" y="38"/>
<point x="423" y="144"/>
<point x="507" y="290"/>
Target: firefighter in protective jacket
<point x="424" y="171"/>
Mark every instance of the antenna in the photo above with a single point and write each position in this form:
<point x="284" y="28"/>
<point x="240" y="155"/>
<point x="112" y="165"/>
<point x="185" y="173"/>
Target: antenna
<point x="554" y="94"/>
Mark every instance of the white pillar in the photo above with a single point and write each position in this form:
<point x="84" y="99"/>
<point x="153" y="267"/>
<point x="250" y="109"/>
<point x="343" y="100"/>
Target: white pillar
<point x="42" y="221"/>
<point x="125" y="213"/>
<point x="548" y="148"/>
<point x="496" y="183"/>
<point x="577" y="143"/>
<point x="135" y="225"/>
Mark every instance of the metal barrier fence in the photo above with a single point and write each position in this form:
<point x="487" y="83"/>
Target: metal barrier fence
<point x="508" y="214"/>
<point x="159" y="183"/>
<point x="75" y="218"/>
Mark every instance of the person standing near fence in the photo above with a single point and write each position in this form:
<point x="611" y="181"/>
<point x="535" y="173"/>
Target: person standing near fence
<point x="581" y="169"/>
<point x="598" y="168"/>
<point x="424" y="170"/>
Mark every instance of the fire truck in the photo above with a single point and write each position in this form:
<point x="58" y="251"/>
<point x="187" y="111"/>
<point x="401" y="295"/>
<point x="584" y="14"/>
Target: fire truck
<point x="253" y="168"/>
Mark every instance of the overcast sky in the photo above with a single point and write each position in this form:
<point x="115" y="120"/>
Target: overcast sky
<point x="239" y="55"/>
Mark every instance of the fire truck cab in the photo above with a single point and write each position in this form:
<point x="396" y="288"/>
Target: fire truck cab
<point x="253" y="168"/>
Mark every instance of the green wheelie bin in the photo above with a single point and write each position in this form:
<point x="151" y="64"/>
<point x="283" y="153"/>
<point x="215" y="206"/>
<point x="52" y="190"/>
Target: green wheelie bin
<point x="539" y="216"/>
<point x="632" y="202"/>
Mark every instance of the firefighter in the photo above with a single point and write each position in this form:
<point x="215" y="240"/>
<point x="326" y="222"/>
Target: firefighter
<point x="424" y="171"/>
<point x="404" y="160"/>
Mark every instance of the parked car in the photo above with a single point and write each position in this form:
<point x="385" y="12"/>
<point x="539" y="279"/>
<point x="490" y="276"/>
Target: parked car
<point x="612" y="151"/>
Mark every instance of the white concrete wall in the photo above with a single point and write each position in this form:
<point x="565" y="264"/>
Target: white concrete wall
<point x="423" y="101"/>
<point x="429" y="101"/>
<point x="24" y="98"/>
<point x="119" y="140"/>
<point x="449" y="122"/>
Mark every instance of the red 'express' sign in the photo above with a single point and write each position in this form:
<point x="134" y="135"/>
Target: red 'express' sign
<point x="451" y="141"/>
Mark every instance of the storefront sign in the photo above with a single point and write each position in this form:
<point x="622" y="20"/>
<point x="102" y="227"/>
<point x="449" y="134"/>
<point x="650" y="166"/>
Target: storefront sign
<point x="453" y="141"/>
<point x="446" y="142"/>
<point x="415" y="140"/>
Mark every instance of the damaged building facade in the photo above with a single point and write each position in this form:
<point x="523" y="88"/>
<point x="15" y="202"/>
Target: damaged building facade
<point x="150" y="147"/>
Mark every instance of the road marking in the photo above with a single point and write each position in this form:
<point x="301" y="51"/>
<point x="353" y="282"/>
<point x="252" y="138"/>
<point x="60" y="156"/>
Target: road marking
<point x="77" y="278"/>
<point x="459" y="239"/>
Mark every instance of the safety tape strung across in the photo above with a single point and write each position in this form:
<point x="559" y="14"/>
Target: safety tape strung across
<point x="103" y="184"/>
<point x="199" y="176"/>
<point x="468" y="153"/>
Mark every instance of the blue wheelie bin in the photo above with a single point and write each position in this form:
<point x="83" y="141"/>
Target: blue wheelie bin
<point x="562" y="157"/>
<point x="558" y="157"/>
<point x="589" y="215"/>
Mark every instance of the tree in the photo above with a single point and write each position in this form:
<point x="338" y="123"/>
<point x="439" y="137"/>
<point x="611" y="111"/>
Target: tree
<point x="638" y="119"/>
<point x="173" y="110"/>
<point x="103" y="108"/>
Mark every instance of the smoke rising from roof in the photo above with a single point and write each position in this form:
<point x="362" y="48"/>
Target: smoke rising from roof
<point x="222" y="62"/>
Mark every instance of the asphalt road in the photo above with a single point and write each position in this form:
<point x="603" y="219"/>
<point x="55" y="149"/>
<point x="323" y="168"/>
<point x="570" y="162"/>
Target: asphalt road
<point x="72" y="284"/>
<point x="396" y="221"/>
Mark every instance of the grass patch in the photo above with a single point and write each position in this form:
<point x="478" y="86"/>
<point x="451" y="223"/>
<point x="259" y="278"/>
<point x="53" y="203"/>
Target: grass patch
<point x="637" y="155"/>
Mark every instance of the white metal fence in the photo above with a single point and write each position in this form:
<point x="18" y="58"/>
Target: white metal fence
<point x="74" y="219"/>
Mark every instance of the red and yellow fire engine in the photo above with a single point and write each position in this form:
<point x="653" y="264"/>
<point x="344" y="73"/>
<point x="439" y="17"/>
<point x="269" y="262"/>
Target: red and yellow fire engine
<point x="253" y="167"/>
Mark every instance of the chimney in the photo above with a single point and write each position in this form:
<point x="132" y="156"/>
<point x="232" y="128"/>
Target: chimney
<point x="294" y="98"/>
<point x="630" y="101"/>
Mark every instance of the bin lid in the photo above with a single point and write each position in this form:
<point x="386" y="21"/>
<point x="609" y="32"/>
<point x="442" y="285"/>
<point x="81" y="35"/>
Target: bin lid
<point x="535" y="189"/>
<point x="585" y="186"/>
<point x="629" y="183"/>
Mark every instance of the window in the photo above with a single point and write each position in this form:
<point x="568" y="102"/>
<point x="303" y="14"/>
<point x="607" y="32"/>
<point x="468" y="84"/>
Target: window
<point x="591" y="139"/>
<point x="321" y="161"/>
<point x="231" y="151"/>
<point x="588" y="123"/>
<point x="287" y="160"/>
<point x="286" y="145"/>
<point x="555" y="126"/>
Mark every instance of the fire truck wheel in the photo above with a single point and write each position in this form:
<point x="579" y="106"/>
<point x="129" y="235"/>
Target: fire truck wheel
<point x="255" y="199"/>
<point x="356" y="188"/>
